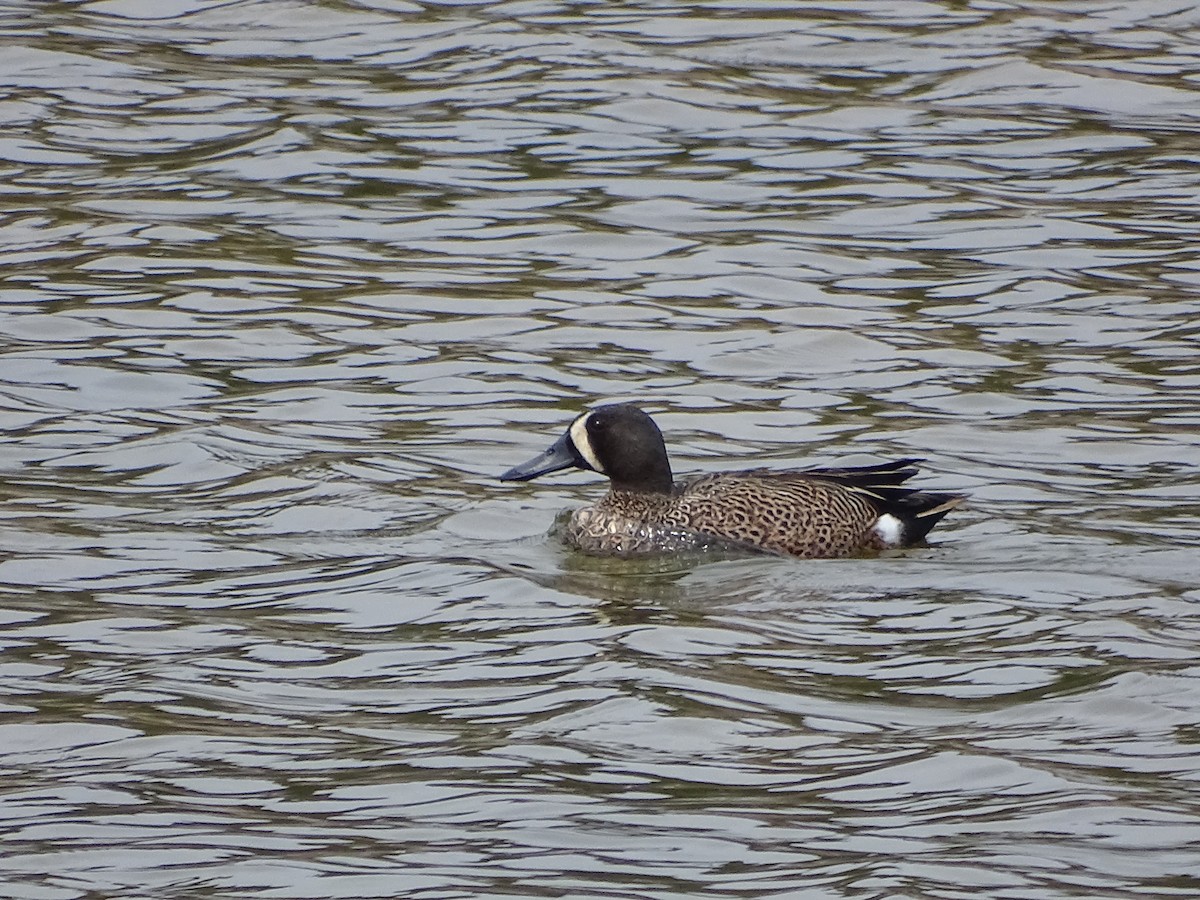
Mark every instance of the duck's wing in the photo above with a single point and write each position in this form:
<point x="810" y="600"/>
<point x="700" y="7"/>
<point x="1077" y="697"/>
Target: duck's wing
<point x="819" y="511"/>
<point x="878" y="480"/>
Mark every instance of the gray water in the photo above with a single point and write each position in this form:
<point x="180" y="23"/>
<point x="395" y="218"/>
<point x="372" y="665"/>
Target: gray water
<point x="284" y="286"/>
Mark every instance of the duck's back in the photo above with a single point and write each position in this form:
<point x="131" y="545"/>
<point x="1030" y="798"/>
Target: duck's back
<point x="810" y="513"/>
<point x="787" y="512"/>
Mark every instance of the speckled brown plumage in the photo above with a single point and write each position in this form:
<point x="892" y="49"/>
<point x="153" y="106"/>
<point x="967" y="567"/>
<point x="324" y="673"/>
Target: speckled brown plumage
<point x="827" y="512"/>
<point x="815" y="514"/>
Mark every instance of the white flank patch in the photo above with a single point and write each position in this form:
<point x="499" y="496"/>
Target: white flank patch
<point x="579" y="437"/>
<point x="890" y="529"/>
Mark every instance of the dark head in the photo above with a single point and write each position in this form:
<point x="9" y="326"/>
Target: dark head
<point x="619" y="441"/>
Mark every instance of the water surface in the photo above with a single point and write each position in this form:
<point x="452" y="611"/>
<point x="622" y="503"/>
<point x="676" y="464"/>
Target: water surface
<point x="285" y="286"/>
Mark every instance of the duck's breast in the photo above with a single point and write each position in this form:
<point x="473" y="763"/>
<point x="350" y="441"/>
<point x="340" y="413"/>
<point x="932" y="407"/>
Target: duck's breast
<point x="609" y="530"/>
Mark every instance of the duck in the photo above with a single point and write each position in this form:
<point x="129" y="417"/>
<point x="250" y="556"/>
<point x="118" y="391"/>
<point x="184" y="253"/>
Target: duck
<point x="812" y="513"/>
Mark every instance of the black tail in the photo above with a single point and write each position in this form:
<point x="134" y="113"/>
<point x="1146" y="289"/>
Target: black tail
<point x="918" y="510"/>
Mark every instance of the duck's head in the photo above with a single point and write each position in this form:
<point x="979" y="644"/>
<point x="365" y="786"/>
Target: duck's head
<point x="619" y="441"/>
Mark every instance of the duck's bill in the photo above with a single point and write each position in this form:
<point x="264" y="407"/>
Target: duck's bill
<point x="561" y="455"/>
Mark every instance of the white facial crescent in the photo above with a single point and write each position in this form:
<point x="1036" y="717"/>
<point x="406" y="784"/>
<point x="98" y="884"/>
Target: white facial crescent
<point x="579" y="437"/>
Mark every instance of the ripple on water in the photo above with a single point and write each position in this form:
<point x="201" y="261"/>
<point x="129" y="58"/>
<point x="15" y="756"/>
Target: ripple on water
<point x="286" y="286"/>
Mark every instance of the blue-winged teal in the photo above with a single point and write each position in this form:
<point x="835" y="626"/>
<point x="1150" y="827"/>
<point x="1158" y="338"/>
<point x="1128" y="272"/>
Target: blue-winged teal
<point x="809" y="513"/>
